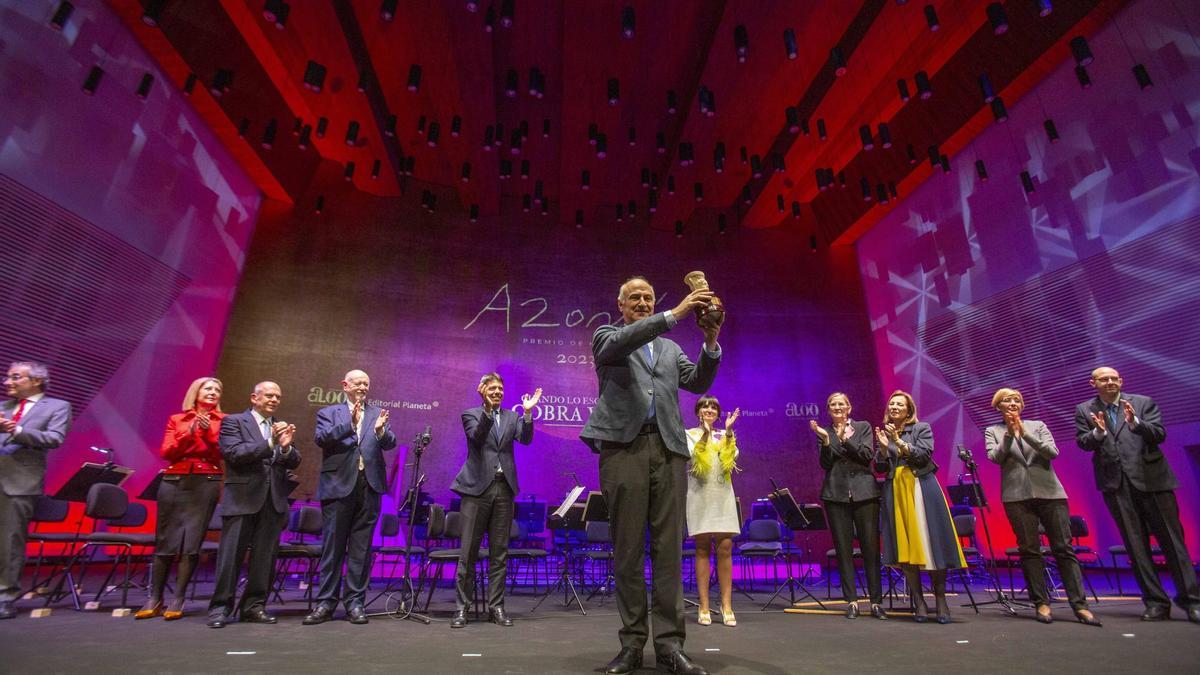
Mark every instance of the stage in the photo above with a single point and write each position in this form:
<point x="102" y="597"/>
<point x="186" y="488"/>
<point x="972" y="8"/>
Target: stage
<point x="561" y="640"/>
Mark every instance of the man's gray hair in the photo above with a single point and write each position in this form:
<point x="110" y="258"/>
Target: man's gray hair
<point x="37" y="371"/>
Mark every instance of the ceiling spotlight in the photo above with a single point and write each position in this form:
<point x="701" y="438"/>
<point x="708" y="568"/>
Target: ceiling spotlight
<point x="614" y="91"/>
<point x="61" y="15"/>
<point x="792" y="115"/>
<point x="93" y="80"/>
<point x="435" y="132"/>
<point x="1142" y="77"/>
<point x="945" y="163"/>
<point x="796" y="210"/>
<point x="1081" y="74"/>
<point x="741" y="43"/>
<point x="348" y="173"/>
<point x="812" y="243"/>
<point x="660" y="140"/>
<point x="152" y="12"/>
<point x="756" y="166"/>
<point x="931" y="18"/>
<point x="881" y="193"/>
<point x="305" y="137"/>
<point x="375" y="167"/>
<point x="499" y="139"/>
<point x="511" y="82"/>
<point x="472" y="6"/>
<point x="864" y="133"/>
<point x="620" y="212"/>
<point x="276" y="11"/>
<point x="546" y="128"/>
<point x="602" y="146"/>
<point x="421" y="124"/>
<point x="789" y="44"/>
<point x="885" y="136"/>
<point x="221" y="82"/>
<point x="352" y="133"/>
<point x="721" y="223"/>
<point x="414" y="77"/>
<point x="986" y="88"/>
<point x="269" y="131"/>
<point x="322" y="126"/>
<point x="585" y="181"/>
<point x="1051" y="130"/>
<point x="998" y="17"/>
<point x="671" y="185"/>
<point x="593" y="133"/>
<point x="679" y="229"/>
<point x="387" y="10"/>
<point x="708" y="101"/>
<point x="671" y="105"/>
<point x="474" y="213"/>
<point x="652" y="201"/>
<point x="902" y="85"/>
<point x="632" y="209"/>
<point x="319" y="206"/>
<point x="489" y="19"/>
<point x="514" y="141"/>
<point x="506" y="13"/>
<point x="456" y="126"/>
<point x="578" y="218"/>
<point x="698" y="191"/>
<point x="505" y="171"/>
<point x="364" y="78"/>
<point x="911" y="153"/>
<point x="1081" y="51"/>
<point x="981" y="170"/>
<point x="632" y="136"/>
<point x="627" y="22"/>
<point x="747" y="199"/>
<point x="537" y="193"/>
<point x="865" y="186"/>
<point x="1044" y="7"/>
<point x="314" y="77"/>
<point x="243" y="127"/>
<point x="781" y="205"/>
<point x="778" y="164"/>
<point x="924" y="86"/>
<point x="838" y="60"/>
<point x="143" y="90"/>
<point x="1027" y="183"/>
<point x="822" y="132"/>
<point x="999" y="112"/>
<point x="189" y="84"/>
<point x="527" y="202"/>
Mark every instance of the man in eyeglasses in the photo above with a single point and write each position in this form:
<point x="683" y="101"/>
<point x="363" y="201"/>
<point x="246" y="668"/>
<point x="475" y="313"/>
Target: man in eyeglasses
<point x="31" y="424"/>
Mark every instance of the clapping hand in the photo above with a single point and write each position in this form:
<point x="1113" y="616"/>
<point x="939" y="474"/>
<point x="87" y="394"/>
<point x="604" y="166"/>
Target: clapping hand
<point x="822" y="435"/>
<point x="529" y="402"/>
<point x="1100" y="422"/>
<point x="7" y="426"/>
<point x="381" y="421"/>
<point x="731" y="418"/>
<point x="882" y="437"/>
<point x="286" y="435"/>
<point x="202" y="420"/>
<point x="1127" y="408"/>
<point x="1013" y="421"/>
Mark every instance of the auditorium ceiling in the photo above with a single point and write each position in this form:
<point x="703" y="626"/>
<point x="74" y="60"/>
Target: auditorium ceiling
<point x="664" y="113"/>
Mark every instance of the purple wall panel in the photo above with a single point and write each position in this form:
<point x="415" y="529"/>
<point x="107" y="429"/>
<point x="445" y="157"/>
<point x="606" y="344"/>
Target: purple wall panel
<point x="1097" y="267"/>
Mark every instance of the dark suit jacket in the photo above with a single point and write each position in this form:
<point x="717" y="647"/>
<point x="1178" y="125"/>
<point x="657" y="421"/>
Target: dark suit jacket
<point x="250" y="474"/>
<point x="23" y="455"/>
<point x="627" y="382"/>
<point x="339" y="463"/>
<point x="920" y="451"/>
<point x="848" y="466"/>
<point x="1130" y="450"/>
<point x="1024" y="473"/>
<point x="487" y="447"/>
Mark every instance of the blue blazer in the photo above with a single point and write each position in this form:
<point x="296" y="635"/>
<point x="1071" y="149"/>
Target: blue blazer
<point x="489" y="446"/>
<point x="1132" y="450"/>
<point x="340" y="449"/>
<point x="252" y="471"/>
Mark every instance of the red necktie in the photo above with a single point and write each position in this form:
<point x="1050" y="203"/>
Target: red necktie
<point x="20" y="410"/>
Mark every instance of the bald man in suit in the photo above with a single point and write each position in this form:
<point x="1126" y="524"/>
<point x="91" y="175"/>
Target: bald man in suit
<point x="31" y="424"/>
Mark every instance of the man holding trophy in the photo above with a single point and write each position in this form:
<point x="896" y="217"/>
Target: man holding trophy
<point x="638" y="431"/>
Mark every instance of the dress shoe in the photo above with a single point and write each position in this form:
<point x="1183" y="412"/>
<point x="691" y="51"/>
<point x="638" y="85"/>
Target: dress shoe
<point x="626" y="661"/>
<point x="319" y="615"/>
<point x="257" y="615"/>
<point x="7" y="611"/>
<point x="357" y="615"/>
<point x="1088" y="619"/>
<point x="151" y="610"/>
<point x="943" y="610"/>
<point x="497" y="616"/>
<point x="1045" y="617"/>
<point x="679" y="663"/>
<point x="852" y="610"/>
<point x="217" y="620"/>
<point x="1157" y="613"/>
<point x="878" y="613"/>
<point x="728" y="618"/>
<point x="459" y="620"/>
<point x="704" y="617"/>
<point x="174" y="612"/>
<point x="1193" y="615"/>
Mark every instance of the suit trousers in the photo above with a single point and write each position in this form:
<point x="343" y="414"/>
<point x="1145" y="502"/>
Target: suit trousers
<point x="848" y="521"/>
<point x="258" y="532"/>
<point x="349" y="525"/>
<point x="1052" y="514"/>
<point x="644" y="484"/>
<point x="15" y="514"/>
<point x="491" y="512"/>
<point x="1140" y="514"/>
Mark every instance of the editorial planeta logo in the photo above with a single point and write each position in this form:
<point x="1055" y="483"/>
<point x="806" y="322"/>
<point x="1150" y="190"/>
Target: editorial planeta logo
<point x="802" y="410"/>
<point x="319" y="396"/>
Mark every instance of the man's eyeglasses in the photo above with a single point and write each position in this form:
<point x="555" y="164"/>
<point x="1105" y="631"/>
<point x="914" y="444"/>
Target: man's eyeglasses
<point x="14" y="378"/>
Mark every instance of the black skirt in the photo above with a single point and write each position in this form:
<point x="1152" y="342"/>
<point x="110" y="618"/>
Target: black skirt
<point x="185" y="506"/>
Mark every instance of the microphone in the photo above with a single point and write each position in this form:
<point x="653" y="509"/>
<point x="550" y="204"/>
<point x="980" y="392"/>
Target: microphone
<point x="965" y="455"/>
<point x="427" y="435"/>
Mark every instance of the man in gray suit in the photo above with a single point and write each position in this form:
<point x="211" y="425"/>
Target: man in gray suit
<point x="1123" y="432"/>
<point x="637" y="430"/>
<point x="30" y="424"/>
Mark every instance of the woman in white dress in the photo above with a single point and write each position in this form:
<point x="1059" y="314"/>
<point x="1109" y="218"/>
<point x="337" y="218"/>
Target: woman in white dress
<point x="712" y="516"/>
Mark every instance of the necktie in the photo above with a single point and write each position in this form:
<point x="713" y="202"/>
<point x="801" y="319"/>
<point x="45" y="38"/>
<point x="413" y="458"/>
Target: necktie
<point x="266" y="429"/>
<point x="20" y="410"/>
<point x="1112" y="416"/>
<point x="650" y="360"/>
<point x="649" y="354"/>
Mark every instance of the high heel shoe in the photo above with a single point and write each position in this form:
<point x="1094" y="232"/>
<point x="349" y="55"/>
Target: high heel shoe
<point x="1043" y="618"/>
<point x="728" y="618"/>
<point x="149" y="612"/>
<point x="943" y="610"/>
<point x="920" y="612"/>
<point x="704" y="618"/>
<point x="175" y="612"/>
<point x="1088" y="620"/>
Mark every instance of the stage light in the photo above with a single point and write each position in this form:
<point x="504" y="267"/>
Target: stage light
<point x="789" y="44"/>
<point x="456" y="126"/>
<point x="578" y="218"/>
<point x="268" y="137"/>
<point x="924" y="86"/>
<point x="812" y="243"/>
<point x="838" y="60"/>
<point x="414" y="77"/>
<point x="421" y="125"/>
<point x="473" y="214"/>
<point x="348" y="173"/>
<point x="885" y="136"/>
<point x="527" y="202"/>
<point x="721" y="223"/>
<point x="352" y="133"/>
<point x="708" y="101"/>
<point x="864" y="134"/>
<point x="1027" y="183"/>
<point x="911" y="153"/>
<point x="61" y="15"/>
<point x="364" y="78"/>
<point x="505" y="171"/>
<point x="152" y="13"/>
<point x="1051" y="130"/>
<point x="632" y="209"/>
<point x="935" y="156"/>
<point x="320" y="205"/>
<point x="511" y="82"/>
<point x="756" y="166"/>
<point x="243" y="127"/>
<point x="660" y="140"/>
<point x="545" y="209"/>
<point x="981" y="170"/>
<point x="777" y="163"/>
<point x="745" y="157"/>
<point x="671" y="103"/>
<point x="620" y="212"/>
<point x="546" y="128"/>
<point x="222" y="80"/>
<point x="931" y="18"/>
<point x="1081" y="74"/>
<point x="841" y="178"/>
<point x="796" y="210"/>
<point x="314" y="76"/>
<point x="614" y="91"/>
<point x="472" y="6"/>
<point x="645" y="177"/>
<point x="632" y="136"/>
<point x="593" y="133"/>
<point x="679" y="229"/>
<point x="499" y="139"/>
<point x="627" y="22"/>
<point x="945" y="162"/>
<point x="998" y="18"/>
<point x="585" y="181"/>
<point x="189" y="84"/>
<point x="489" y="19"/>
<point x="277" y="11"/>
<point x="652" y="201"/>
<point x="881" y="193"/>
<point x="1044" y="7"/>
<point x="746" y="198"/>
<point x="986" y="88"/>
<point x="1081" y="51"/>
<point x="143" y="90"/>
<point x="792" y="115"/>
<point x="892" y="189"/>
<point x="533" y="81"/>
<point x="741" y="43"/>
<point x="93" y="80"/>
<point x="435" y="132"/>
<point x="305" y="137"/>
<point x="514" y="141"/>
<point x="322" y="126"/>
<point x="902" y="85"/>
<point x="297" y="126"/>
<point x="698" y="191"/>
<point x="602" y="146"/>
<point x="488" y="134"/>
<point x="1142" y="77"/>
<point x="822" y="132"/>
<point x="387" y="10"/>
<point x="820" y="176"/>
<point x="375" y="167"/>
<point x="410" y="165"/>
<point x="999" y="112"/>
<point x="865" y="186"/>
<point x="779" y="203"/>
<point x="389" y="126"/>
<point x="507" y="8"/>
<point x="525" y="176"/>
<point x="671" y="185"/>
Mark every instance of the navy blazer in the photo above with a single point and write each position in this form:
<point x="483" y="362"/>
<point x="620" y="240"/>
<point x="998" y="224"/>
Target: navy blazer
<point x="848" y="465"/>
<point x="23" y="455"/>
<point x="252" y="471"/>
<point x="340" y="449"/>
<point x="919" y="437"/>
<point x="627" y="382"/>
<point x="1132" y="450"/>
<point x="488" y="447"/>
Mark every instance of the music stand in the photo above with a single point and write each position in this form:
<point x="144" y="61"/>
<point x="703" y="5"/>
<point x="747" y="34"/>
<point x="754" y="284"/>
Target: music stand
<point x="88" y="474"/>
<point x="403" y="593"/>
<point x="809" y="518"/>
<point x="595" y="510"/>
<point x="568" y="516"/>
<point x="979" y="500"/>
<point x="150" y="492"/>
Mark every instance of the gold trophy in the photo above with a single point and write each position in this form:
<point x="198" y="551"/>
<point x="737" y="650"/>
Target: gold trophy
<point x="712" y="314"/>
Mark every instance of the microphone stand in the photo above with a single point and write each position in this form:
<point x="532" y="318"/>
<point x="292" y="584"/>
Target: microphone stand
<point x="989" y="561"/>
<point x="404" y="596"/>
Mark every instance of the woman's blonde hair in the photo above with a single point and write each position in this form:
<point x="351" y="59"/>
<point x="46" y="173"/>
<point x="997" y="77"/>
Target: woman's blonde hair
<point x="189" y="399"/>
<point x="1005" y="392"/>
<point x="837" y="394"/>
<point x="909" y="403"/>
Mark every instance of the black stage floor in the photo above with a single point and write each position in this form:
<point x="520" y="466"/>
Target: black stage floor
<point x="555" y="639"/>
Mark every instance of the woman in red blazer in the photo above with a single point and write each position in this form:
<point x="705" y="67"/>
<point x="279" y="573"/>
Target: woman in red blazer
<point x="187" y="495"/>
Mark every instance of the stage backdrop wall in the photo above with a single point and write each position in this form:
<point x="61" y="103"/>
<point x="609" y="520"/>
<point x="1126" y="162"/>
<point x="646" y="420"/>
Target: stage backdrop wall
<point x="124" y="224"/>
<point x="426" y="303"/>
<point x="973" y="286"/>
